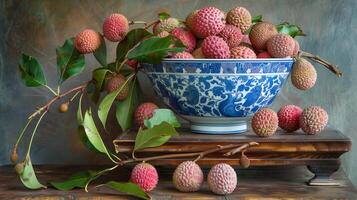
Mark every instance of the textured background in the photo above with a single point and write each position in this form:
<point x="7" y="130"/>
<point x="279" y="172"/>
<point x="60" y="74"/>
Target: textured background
<point x="38" y="27"/>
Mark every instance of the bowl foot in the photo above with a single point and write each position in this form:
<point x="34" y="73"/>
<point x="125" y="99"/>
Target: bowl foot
<point x="219" y="129"/>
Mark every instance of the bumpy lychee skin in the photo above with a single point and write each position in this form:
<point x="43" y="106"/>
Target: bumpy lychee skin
<point x="303" y="74"/>
<point x="260" y="34"/>
<point x="208" y="21"/>
<point x="296" y="48"/>
<point x="246" y="40"/>
<point x="182" y="55"/>
<point x="265" y="122"/>
<point x="222" y="179"/>
<point x="197" y="53"/>
<point x="232" y="35"/>
<point x="166" y="25"/>
<point x="240" y="17"/>
<point x="115" y="27"/>
<point x="242" y="52"/>
<point x="188" y="177"/>
<point x="281" y="46"/>
<point x="289" y="117"/>
<point x="87" y="41"/>
<point x="144" y="111"/>
<point x="189" y="19"/>
<point x="145" y="176"/>
<point x="114" y="83"/>
<point x="187" y="38"/>
<point x="263" y="54"/>
<point x="313" y="120"/>
<point x="215" y="47"/>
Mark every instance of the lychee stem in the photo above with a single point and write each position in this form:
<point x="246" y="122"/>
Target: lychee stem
<point x="51" y="90"/>
<point x="151" y="24"/>
<point x="243" y="147"/>
<point x="329" y="66"/>
<point x="137" y="22"/>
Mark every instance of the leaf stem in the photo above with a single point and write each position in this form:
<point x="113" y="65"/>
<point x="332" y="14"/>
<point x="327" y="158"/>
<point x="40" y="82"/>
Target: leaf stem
<point x="51" y="90"/>
<point x="22" y="133"/>
<point x="34" y="132"/>
<point x="98" y="175"/>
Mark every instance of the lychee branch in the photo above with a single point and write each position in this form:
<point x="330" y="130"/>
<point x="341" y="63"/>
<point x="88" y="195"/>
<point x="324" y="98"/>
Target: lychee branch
<point x="321" y="61"/>
<point x="239" y="149"/>
<point x="137" y="22"/>
<point x="199" y="155"/>
<point x="151" y="24"/>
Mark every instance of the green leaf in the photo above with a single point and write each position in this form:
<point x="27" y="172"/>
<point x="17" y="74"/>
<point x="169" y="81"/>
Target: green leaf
<point x="128" y="188"/>
<point x="80" y="130"/>
<point x="69" y="61"/>
<point x="162" y="115"/>
<point x="77" y="180"/>
<point x="101" y="53"/>
<point x="155" y="136"/>
<point x="93" y="134"/>
<point x="125" y="109"/>
<point x="290" y="29"/>
<point x="99" y="80"/>
<point x="31" y="71"/>
<point x="132" y="38"/>
<point x="163" y="16"/>
<point x="257" y="19"/>
<point x="28" y="176"/>
<point x="154" y="49"/>
<point x="108" y="100"/>
<point x="79" y="111"/>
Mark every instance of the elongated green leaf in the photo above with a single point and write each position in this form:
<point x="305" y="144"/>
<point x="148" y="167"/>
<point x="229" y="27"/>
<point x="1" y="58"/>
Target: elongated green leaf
<point x="128" y="188"/>
<point x="154" y="49"/>
<point x="79" y="111"/>
<point x="155" y="136"/>
<point x="93" y="134"/>
<point x="108" y="100"/>
<point x="131" y="39"/>
<point x="69" y="61"/>
<point x="31" y="71"/>
<point x="99" y="80"/>
<point x="77" y="180"/>
<point x="257" y="19"/>
<point x="290" y="29"/>
<point x="162" y="115"/>
<point x="125" y="109"/>
<point x="80" y="130"/>
<point x="28" y="176"/>
<point x="101" y="53"/>
<point x="163" y="16"/>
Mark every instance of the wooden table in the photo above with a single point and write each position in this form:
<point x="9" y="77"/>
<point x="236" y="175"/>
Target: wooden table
<point x="320" y="153"/>
<point x="268" y="183"/>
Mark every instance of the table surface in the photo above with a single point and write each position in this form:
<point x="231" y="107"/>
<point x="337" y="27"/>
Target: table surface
<point x="257" y="183"/>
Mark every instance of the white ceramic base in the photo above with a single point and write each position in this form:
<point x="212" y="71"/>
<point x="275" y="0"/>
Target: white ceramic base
<point x="217" y="125"/>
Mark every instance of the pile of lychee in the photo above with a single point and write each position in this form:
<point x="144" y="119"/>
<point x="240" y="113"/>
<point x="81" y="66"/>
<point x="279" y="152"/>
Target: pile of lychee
<point x="188" y="177"/>
<point x="312" y="120"/>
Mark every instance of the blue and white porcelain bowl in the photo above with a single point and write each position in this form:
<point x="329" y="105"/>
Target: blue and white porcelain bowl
<point x="218" y="96"/>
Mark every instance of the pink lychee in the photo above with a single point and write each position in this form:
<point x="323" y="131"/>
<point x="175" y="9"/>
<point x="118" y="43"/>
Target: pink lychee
<point x="313" y="120"/>
<point x="145" y="176"/>
<point x="232" y="35"/>
<point x="182" y="55"/>
<point x="208" y="21"/>
<point x="265" y="122"/>
<point x="144" y="111"/>
<point x="215" y="47"/>
<point x="186" y="37"/>
<point x="115" y="27"/>
<point x="289" y="116"/>
<point x="87" y="41"/>
<point x="263" y="54"/>
<point x="242" y="52"/>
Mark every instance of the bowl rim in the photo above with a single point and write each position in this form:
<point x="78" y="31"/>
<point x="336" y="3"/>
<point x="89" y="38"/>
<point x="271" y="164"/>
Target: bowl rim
<point x="228" y="59"/>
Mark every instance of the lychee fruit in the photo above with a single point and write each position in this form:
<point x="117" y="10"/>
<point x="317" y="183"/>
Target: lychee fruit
<point x="232" y="35"/>
<point x="145" y="176"/>
<point x="240" y="17"/>
<point x="132" y="63"/>
<point x="189" y="19"/>
<point x="188" y="177"/>
<point x="222" y="179"/>
<point x="215" y="47"/>
<point x="116" y="82"/>
<point x="115" y="27"/>
<point x="242" y="52"/>
<point x="296" y="48"/>
<point x="246" y="40"/>
<point x="168" y="25"/>
<point x="265" y="122"/>
<point x="289" y="117"/>
<point x="197" y="53"/>
<point x="208" y="21"/>
<point x="182" y="55"/>
<point x="144" y="111"/>
<point x="87" y="41"/>
<point x="63" y="107"/>
<point x="303" y="74"/>
<point x="263" y="54"/>
<point x="313" y="120"/>
<point x="260" y="33"/>
<point x="163" y="34"/>
<point x="281" y="46"/>
<point x="186" y="37"/>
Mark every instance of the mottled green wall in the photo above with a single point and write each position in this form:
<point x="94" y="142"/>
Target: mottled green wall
<point x="37" y="27"/>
